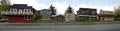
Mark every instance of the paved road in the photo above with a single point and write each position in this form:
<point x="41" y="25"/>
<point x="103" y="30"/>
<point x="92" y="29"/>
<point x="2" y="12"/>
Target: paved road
<point x="59" y="27"/>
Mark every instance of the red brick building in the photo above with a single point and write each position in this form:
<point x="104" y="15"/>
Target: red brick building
<point x="19" y="13"/>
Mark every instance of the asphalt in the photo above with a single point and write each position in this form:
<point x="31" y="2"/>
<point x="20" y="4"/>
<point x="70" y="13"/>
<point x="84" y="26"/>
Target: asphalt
<point x="60" y="27"/>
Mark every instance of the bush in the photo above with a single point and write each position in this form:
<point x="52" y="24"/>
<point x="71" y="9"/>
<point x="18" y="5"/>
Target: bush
<point x="87" y="20"/>
<point x="1" y="17"/>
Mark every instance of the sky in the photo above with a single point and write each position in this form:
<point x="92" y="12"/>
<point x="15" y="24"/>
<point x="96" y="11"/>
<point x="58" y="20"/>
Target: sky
<point x="62" y="5"/>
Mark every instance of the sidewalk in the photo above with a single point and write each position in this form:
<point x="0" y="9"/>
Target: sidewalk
<point x="50" y="24"/>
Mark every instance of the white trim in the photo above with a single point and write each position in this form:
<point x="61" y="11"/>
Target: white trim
<point x="89" y="15"/>
<point x="14" y="11"/>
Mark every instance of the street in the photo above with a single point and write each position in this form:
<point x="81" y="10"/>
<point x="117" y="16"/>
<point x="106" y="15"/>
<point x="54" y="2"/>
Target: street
<point x="60" y="27"/>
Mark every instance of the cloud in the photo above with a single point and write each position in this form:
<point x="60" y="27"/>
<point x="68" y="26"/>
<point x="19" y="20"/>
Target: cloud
<point x="99" y="4"/>
<point x="61" y="7"/>
<point x="75" y="4"/>
<point x="37" y="5"/>
<point x="98" y="7"/>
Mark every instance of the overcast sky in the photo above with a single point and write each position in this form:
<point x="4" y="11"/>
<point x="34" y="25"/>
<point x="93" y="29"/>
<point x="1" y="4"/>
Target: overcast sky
<point x="62" y="5"/>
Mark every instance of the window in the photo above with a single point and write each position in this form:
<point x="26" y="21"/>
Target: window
<point x="11" y="10"/>
<point x="20" y="10"/>
<point x="110" y="12"/>
<point x="28" y="10"/>
<point x="93" y="13"/>
<point x="27" y="17"/>
<point x="103" y="12"/>
<point x="24" y="10"/>
<point x="108" y="16"/>
<point x="14" y="10"/>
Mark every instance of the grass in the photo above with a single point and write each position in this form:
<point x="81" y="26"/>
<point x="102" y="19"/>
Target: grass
<point x="63" y="21"/>
<point x="49" y="21"/>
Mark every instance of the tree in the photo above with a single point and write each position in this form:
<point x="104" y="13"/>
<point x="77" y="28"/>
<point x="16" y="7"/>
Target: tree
<point x="117" y="12"/>
<point x="69" y="10"/>
<point x="53" y="10"/>
<point x="4" y="5"/>
<point x="37" y="16"/>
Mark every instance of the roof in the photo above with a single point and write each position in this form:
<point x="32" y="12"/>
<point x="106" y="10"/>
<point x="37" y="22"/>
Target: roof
<point x="20" y="6"/>
<point x="88" y="8"/>
<point x="106" y="12"/>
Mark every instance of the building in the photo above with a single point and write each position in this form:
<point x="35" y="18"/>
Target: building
<point x="19" y="13"/>
<point x="86" y="14"/>
<point x="61" y="17"/>
<point x="54" y="17"/>
<point x="45" y="14"/>
<point x="69" y="15"/>
<point x="58" y="17"/>
<point x="106" y="16"/>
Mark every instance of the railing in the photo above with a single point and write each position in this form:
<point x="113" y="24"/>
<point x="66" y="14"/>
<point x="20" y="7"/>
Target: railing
<point x="89" y="15"/>
<point x="16" y="13"/>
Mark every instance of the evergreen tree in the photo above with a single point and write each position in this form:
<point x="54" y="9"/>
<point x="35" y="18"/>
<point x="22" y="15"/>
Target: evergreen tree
<point x="69" y="10"/>
<point x="53" y="10"/>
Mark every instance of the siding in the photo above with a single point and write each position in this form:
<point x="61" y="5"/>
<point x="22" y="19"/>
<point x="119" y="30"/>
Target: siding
<point x="19" y="19"/>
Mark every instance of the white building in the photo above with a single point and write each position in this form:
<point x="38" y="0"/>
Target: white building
<point x="69" y="16"/>
<point x="45" y="14"/>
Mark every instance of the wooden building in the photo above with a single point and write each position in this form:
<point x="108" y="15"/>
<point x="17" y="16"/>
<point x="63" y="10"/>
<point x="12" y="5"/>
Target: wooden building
<point x="106" y="16"/>
<point x="19" y="13"/>
<point x="87" y="14"/>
